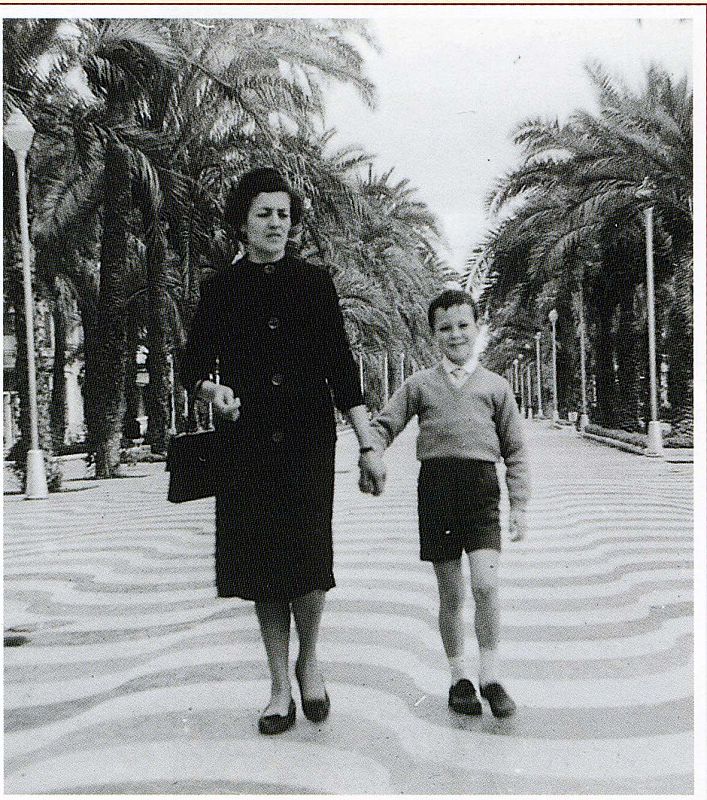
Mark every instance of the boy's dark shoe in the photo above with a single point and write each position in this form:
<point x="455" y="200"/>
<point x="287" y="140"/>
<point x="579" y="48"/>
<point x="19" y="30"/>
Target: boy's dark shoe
<point x="499" y="700"/>
<point x="463" y="699"/>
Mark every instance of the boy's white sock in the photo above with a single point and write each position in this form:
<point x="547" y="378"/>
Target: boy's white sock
<point x="458" y="668"/>
<point x="487" y="666"/>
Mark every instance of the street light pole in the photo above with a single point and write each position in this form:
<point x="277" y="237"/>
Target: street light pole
<point x="515" y="376"/>
<point x="172" y="398"/>
<point x="655" y="436"/>
<point x="539" y="375"/>
<point x="385" y="378"/>
<point x="522" y="384"/>
<point x="584" y="417"/>
<point x="19" y="133"/>
<point x="529" y="384"/>
<point x="552" y="316"/>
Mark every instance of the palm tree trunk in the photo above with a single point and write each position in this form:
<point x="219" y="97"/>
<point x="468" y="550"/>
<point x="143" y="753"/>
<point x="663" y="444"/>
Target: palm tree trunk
<point x="15" y="295"/>
<point x="157" y="364"/>
<point x="111" y="339"/>
<point x="57" y="420"/>
<point x="679" y="341"/>
<point x="601" y="308"/>
<point x="567" y="358"/>
<point x="627" y="402"/>
<point x="132" y="392"/>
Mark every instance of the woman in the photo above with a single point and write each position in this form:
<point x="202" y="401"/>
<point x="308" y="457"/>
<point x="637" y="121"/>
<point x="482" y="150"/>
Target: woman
<point x="273" y="324"/>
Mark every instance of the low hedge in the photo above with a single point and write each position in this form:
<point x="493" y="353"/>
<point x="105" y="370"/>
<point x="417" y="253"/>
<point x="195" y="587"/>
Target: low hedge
<point x="679" y="440"/>
<point x="676" y="440"/>
<point x="637" y="439"/>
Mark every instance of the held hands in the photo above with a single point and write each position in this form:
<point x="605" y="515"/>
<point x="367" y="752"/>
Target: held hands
<point x="372" y="479"/>
<point x="518" y="524"/>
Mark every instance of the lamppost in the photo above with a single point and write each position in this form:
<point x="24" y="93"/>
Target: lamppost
<point x="655" y="436"/>
<point x="584" y="417"/>
<point x="386" y="390"/>
<point x="19" y="133"/>
<point x="172" y="397"/>
<point x="539" y="376"/>
<point x="515" y="376"/>
<point x="529" y="385"/>
<point x="552" y="316"/>
<point x="522" y="384"/>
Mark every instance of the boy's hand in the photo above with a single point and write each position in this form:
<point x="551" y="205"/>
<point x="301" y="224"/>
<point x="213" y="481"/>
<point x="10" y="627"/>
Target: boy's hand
<point x="372" y="479"/>
<point x="518" y="524"/>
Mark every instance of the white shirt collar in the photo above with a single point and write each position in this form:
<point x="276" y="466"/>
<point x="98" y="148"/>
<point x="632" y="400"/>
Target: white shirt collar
<point x="468" y="366"/>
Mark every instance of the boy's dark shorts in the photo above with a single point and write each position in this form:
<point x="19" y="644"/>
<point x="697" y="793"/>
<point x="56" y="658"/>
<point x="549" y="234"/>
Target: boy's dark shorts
<point x="457" y="507"/>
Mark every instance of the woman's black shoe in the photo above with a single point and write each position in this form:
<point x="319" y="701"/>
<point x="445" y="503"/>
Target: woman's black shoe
<point x="276" y="723"/>
<point x="314" y="710"/>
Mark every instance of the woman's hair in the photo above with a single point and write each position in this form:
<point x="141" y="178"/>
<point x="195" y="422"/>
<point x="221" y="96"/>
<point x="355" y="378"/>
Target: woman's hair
<point x="449" y="298"/>
<point x="241" y="196"/>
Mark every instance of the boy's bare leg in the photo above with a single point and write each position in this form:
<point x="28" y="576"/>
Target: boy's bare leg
<point x="450" y="584"/>
<point x="274" y="620"/>
<point x="487" y="622"/>
<point x="483" y="566"/>
<point x="307" y="611"/>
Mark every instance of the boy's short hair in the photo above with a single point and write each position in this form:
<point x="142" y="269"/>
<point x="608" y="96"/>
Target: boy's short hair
<point x="449" y="298"/>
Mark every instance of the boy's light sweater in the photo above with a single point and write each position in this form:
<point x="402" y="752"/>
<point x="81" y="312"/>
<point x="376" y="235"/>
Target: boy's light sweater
<point x="479" y="420"/>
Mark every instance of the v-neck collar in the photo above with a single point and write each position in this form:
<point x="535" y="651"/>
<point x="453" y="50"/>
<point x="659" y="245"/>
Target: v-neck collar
<point x="447" y="378"/>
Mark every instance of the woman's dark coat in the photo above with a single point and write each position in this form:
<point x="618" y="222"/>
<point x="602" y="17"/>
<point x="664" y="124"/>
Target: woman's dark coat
<point x="277" y="335"/>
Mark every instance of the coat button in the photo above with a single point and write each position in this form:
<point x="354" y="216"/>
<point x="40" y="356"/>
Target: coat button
<point x="277" y="379"/>
<point x="268" y="269"/>
<point x="273" y="323"/>
<point x="277" y="436"/>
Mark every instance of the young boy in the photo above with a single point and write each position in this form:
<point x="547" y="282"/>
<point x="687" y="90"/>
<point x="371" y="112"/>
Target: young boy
<point x="468" y="421"/>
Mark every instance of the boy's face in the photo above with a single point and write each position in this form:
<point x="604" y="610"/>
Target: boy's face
<point x="455" y="332"/>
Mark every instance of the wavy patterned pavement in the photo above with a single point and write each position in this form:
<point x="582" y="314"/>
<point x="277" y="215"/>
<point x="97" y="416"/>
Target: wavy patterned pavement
<point x="130" y="677"/>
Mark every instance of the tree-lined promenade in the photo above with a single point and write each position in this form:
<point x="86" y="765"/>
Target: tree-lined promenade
<point x="573" y="238"/>
<point x="142" y="126"/>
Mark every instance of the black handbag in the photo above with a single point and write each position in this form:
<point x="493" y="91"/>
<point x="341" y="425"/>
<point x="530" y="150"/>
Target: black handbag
<point x="194" y="465"/>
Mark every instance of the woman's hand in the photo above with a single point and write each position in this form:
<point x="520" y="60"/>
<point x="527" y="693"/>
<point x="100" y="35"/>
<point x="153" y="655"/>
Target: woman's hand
<point x="225" y="403"/>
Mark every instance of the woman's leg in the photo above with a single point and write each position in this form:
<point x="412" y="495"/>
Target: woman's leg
<point x="450" y="584"/>
<point x="307" y="611"/>
<point x="487" y="619"/>
<point x="274" y="620"/>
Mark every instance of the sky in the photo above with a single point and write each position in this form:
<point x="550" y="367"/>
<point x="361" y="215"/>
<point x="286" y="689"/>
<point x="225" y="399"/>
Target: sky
<point x="453" y="84"/>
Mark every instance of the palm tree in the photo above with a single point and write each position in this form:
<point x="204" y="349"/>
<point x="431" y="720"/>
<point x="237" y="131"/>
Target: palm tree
<point x="577" y="197"/>
<point x="240" y="78"/>
<point x="121" y="59"/>
<point x="98" y="157"/>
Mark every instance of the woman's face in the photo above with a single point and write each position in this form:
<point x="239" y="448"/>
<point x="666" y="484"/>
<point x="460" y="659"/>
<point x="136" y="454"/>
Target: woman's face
<point x="267" y="226"/>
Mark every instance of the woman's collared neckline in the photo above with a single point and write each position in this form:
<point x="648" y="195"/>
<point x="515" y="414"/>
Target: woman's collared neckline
<point x="267" y="267"/>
